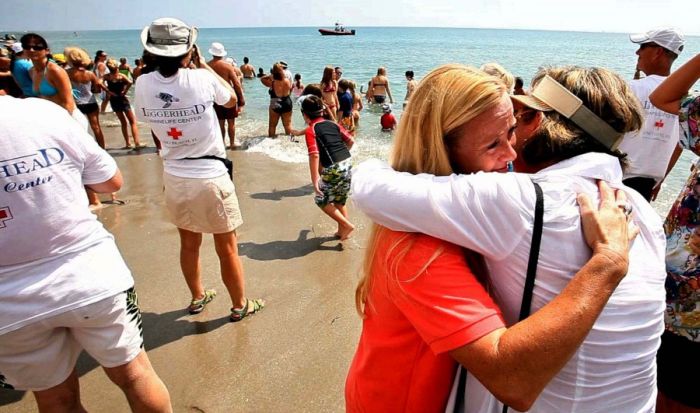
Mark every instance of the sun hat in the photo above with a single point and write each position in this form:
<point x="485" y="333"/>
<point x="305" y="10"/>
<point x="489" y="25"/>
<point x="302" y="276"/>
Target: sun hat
<point x="283" y="64"/>
<point x="59" y="58"/>
<point x="668" y="38"/>
<point x="17" y="47"/>
<point x="549" y="95"/>
<point x="386" y="108"/>
<point x="168" y="37"/>
<point x="217" y="49"/>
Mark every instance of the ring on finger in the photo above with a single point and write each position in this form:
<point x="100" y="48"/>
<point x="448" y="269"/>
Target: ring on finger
<point x="626" y="207"/>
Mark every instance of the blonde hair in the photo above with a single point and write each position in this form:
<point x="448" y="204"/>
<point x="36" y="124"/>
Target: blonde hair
<point x="442" y="103"/>
<point x="494" y="69"/>
<point x="603" y="92"/>
<point x="76" y="57"/>
<point x="112" y="65"/>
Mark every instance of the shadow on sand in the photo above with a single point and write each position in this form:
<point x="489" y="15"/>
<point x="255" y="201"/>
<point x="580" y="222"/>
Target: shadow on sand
<point x="285" y="250"/>
<point x="160" y="329"/>
<point x="286" y="193"/>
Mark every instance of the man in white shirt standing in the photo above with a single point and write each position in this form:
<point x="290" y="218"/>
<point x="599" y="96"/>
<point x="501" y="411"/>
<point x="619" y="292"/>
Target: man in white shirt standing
<point x="650" y="149"/>
<point x="64" y="286"/>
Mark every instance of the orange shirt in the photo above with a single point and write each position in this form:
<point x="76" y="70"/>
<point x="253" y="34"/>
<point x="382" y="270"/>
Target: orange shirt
<point x="414" y="316"/>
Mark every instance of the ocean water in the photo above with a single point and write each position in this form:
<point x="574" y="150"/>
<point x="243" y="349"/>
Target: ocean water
<point x="398" y="49"/>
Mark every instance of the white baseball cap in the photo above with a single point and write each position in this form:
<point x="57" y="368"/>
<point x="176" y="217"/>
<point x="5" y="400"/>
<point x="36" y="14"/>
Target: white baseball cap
<point x="16" y="47"/>
<point x="669" y="38"/>
<point x="217" y="49"/>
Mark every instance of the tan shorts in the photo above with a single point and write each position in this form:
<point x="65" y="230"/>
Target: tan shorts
<point x="42" y="355"/>
<point x="205" y="205"/>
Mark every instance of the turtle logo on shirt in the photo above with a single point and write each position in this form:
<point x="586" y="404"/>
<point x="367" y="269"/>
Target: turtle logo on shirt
<point x="167" y="98"/>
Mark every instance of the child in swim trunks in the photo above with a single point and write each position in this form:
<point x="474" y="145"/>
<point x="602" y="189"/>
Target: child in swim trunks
<point x="329" y="163"/>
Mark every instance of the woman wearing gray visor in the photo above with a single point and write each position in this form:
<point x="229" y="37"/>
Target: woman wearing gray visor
<point x="580" y="116"/>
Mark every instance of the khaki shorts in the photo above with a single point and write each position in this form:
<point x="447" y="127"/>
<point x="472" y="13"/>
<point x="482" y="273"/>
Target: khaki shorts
<point x="205" y="205"/>
<point x="42" y="355"/>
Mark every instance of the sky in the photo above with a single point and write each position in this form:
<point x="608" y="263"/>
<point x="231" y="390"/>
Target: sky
<point x="623" y="16"/>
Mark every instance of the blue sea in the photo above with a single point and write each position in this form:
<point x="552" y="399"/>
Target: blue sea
<point x="398" y="49"/>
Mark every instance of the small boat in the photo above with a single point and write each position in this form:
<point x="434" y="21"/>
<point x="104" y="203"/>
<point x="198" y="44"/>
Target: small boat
<point x="339" y="30"/>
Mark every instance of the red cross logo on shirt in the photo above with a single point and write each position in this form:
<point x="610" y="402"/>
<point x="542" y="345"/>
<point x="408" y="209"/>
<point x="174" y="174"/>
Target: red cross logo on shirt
<point x="659" y="124"/>
<point x="5" y="215"/>
<point x="174" y="133"/>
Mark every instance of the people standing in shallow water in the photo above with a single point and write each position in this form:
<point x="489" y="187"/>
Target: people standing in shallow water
<point x="410" y="86"/>
<point x="379" y="87"/>
<point x="297" y="86"/>
<point x="329" y="86"/>
<point x="247" y="69"/>
<point x="281" y="104"/>
<point x="200" y="196"/>
<point x="117" y="87"/>
<point x="227" y="72"/>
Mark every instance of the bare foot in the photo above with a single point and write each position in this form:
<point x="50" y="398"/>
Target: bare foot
<point x="344" y="233"/>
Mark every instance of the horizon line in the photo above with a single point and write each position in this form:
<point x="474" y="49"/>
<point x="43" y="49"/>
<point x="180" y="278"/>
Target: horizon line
<point x="357" y="27"/>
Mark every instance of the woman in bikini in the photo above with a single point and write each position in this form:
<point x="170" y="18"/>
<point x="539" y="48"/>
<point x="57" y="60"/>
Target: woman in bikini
<point x="329" y="86"/>
<point x="357" y="105"/>
<point x="49" y="81"/>
<point x="379" y="86"/>
<point x="117" y="86"/>
<point x="280" y="100"/>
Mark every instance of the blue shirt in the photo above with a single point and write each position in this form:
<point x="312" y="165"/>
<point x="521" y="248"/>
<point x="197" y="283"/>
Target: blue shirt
<point x="345" y="102"/>
<point x="20" y="71"/>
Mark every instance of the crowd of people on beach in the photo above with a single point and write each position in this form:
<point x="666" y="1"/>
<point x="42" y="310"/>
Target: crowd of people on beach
<point x="515" y="261"/>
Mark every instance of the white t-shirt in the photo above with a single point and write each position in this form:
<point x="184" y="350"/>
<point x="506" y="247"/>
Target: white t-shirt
<point x="493" y="214"/>
<point x="649" y="150"/>
<point x="56" y="256"/>
<point x="179" y="109"/>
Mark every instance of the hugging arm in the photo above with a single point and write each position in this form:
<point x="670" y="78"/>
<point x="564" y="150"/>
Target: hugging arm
<point x="515" y="364"/>
<point x="461" y="209"/>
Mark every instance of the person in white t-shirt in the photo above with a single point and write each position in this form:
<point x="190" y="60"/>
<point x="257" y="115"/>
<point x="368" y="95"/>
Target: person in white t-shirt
<point x="178" y="105"/>
<point x="493" y="214"/>
<point x="64" y="286"/>
<point x="650" y="149"/>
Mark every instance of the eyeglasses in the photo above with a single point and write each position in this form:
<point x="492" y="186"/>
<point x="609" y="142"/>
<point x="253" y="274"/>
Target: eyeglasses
<point x="650" y="44"/>
<point x="34" y="47"/>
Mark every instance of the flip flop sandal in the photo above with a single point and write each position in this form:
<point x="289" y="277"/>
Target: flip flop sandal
<point x="197" y="306"/>
<point x="238" y="315"/>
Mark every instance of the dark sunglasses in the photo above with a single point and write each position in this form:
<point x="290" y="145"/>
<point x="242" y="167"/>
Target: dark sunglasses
<point x="650" y="44"/>
<point x="34" y="47"/>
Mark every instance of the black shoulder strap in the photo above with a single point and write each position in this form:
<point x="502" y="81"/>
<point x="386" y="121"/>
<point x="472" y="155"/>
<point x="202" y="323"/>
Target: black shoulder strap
<point x="534" y="258"/>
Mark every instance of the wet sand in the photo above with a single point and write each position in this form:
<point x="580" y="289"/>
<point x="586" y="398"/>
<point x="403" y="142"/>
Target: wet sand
<point x="291" y="357"/>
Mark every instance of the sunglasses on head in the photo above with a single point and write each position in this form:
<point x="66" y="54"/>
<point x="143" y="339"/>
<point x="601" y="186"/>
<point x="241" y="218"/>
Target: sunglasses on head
<point x="36" y="47"/>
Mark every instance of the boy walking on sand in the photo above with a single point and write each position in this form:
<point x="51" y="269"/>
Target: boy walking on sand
<point x="329" y="162"/>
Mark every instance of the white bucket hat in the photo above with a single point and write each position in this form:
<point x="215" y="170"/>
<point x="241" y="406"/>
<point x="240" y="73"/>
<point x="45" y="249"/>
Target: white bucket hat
<point x="168" y="37"/>
<point x="217" y="49"/>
